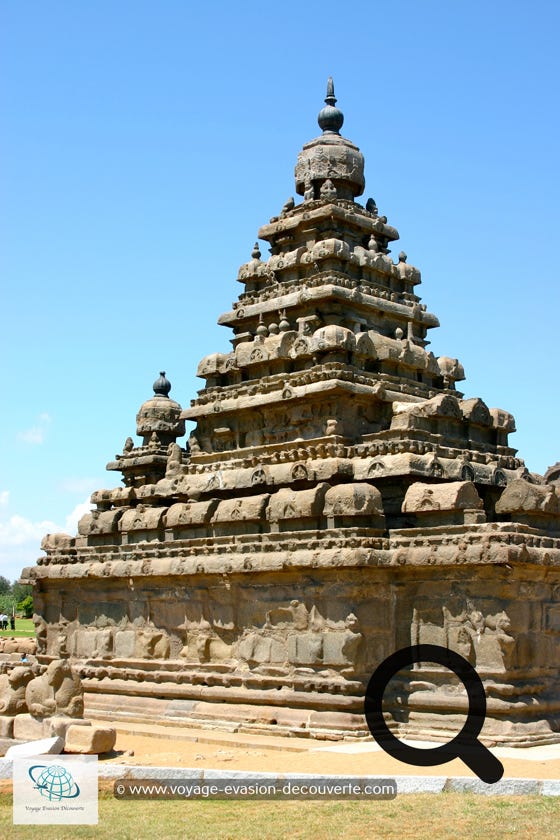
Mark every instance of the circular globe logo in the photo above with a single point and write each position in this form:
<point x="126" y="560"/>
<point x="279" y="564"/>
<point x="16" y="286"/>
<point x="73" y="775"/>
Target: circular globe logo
<point x="54" y="782"/>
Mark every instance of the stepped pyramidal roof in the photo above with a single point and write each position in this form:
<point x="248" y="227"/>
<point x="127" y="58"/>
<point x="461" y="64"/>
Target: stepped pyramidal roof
<point x="330" y="357"/>
<point x="337" y="498"/>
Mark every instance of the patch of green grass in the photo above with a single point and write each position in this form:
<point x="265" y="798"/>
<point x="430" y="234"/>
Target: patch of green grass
<point x="24" y="627"/>
<point x="450" y="816"/>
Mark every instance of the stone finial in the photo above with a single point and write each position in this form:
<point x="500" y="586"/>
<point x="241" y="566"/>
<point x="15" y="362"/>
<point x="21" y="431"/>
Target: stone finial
<point x="160" y="414"/>
<point x="284" y="324"/>
<point x="162" y="385"/>
<point x="330" y="156"/>
<point x="402" y="257"/>
<point x="330" y="119"/>
<point x="256" y="252"/>
<point x="371" y="206"/>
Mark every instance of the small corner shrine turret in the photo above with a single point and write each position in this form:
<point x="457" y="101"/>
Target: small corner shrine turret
<point x="338" y="499"/>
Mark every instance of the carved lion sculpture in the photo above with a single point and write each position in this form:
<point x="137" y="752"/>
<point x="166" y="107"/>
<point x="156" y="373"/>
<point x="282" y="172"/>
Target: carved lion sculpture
<point x="58" y="691"/>
<point x="12" y="690"/>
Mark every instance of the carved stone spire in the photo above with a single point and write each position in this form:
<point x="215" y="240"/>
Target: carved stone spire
<point x="330" y="157"/>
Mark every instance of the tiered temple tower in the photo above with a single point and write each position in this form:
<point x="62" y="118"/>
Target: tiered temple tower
<point x="337" y="500"/>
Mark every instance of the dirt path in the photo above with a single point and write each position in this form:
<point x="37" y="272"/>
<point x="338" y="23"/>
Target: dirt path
<point x="225" y="751"/>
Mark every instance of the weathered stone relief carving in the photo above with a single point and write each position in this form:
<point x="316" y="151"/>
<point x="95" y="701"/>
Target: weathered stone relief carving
<point x="58" y="691"/>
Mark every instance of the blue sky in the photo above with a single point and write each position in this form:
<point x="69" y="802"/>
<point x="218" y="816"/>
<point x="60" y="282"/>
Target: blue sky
<point x="142" y="146"/>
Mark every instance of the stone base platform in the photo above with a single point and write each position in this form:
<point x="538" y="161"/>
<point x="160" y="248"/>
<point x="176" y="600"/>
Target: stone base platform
<point x="306" y="723"/>
<point x="227" y="717"/>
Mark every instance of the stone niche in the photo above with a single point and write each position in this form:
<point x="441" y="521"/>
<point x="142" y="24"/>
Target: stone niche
<point x="337" y="498"/>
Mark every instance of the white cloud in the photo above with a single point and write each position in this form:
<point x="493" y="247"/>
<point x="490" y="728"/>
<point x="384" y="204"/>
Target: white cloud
<point x="15" y="559"/>
<point x="36" y="434"/>
<point x="17" y="530"/>
<point x="20" y="538"/>
<point x="4" y="497"/>
<point x="71" y="524"/>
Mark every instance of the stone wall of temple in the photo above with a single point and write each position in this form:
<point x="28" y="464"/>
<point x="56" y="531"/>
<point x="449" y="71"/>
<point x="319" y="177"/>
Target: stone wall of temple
<point x="302" y="623"/>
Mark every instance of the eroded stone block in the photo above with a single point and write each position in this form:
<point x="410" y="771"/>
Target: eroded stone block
<point x="28" y="728"/>
<point x="89" y="740"/>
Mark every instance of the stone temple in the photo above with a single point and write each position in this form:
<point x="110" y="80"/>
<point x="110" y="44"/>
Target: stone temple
<point x="338" y="499"/>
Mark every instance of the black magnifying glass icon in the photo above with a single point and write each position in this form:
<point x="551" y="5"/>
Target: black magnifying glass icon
<point x="465" y="745"/>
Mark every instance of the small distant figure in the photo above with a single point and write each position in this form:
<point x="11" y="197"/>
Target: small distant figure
<point x="24" y="660"/>
<point x="4" y="621"/>
<point x="12" y="622"/>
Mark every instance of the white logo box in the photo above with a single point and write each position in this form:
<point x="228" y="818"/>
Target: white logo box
<point x="55" y="790"/>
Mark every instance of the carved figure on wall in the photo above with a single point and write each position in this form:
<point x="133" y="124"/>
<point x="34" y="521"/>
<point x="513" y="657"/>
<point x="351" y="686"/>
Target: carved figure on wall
<point x="497" y="647"/>
<point x="60" y="649"/>
<point x="203" y="635"/>
<point x="40" y="633"/>
<point x="333" y="427"/>
<point x="173" y="460"/>
<point x="459" y="633"/>
<point x="482" y="640"/>
<point x="352" y="640"/>
<point x="153" y="644"/>
<point x="194" y="445"/>
<point x="328" y="191"/>
<point x="295" y="615"/>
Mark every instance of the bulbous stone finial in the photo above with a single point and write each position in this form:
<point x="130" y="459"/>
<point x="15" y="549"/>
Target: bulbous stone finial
<point x="256" y="252"/>
<point x="162" y="385"/>
<point x="330" y="157"/>
<point x="330" y="119"/>
<point x="161" y="417"/>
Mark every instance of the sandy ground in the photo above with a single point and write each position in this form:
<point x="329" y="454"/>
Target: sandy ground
<point x="173" y="747"/>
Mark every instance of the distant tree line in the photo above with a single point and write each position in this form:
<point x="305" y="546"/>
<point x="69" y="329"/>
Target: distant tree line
<point x="15" y="597"/>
